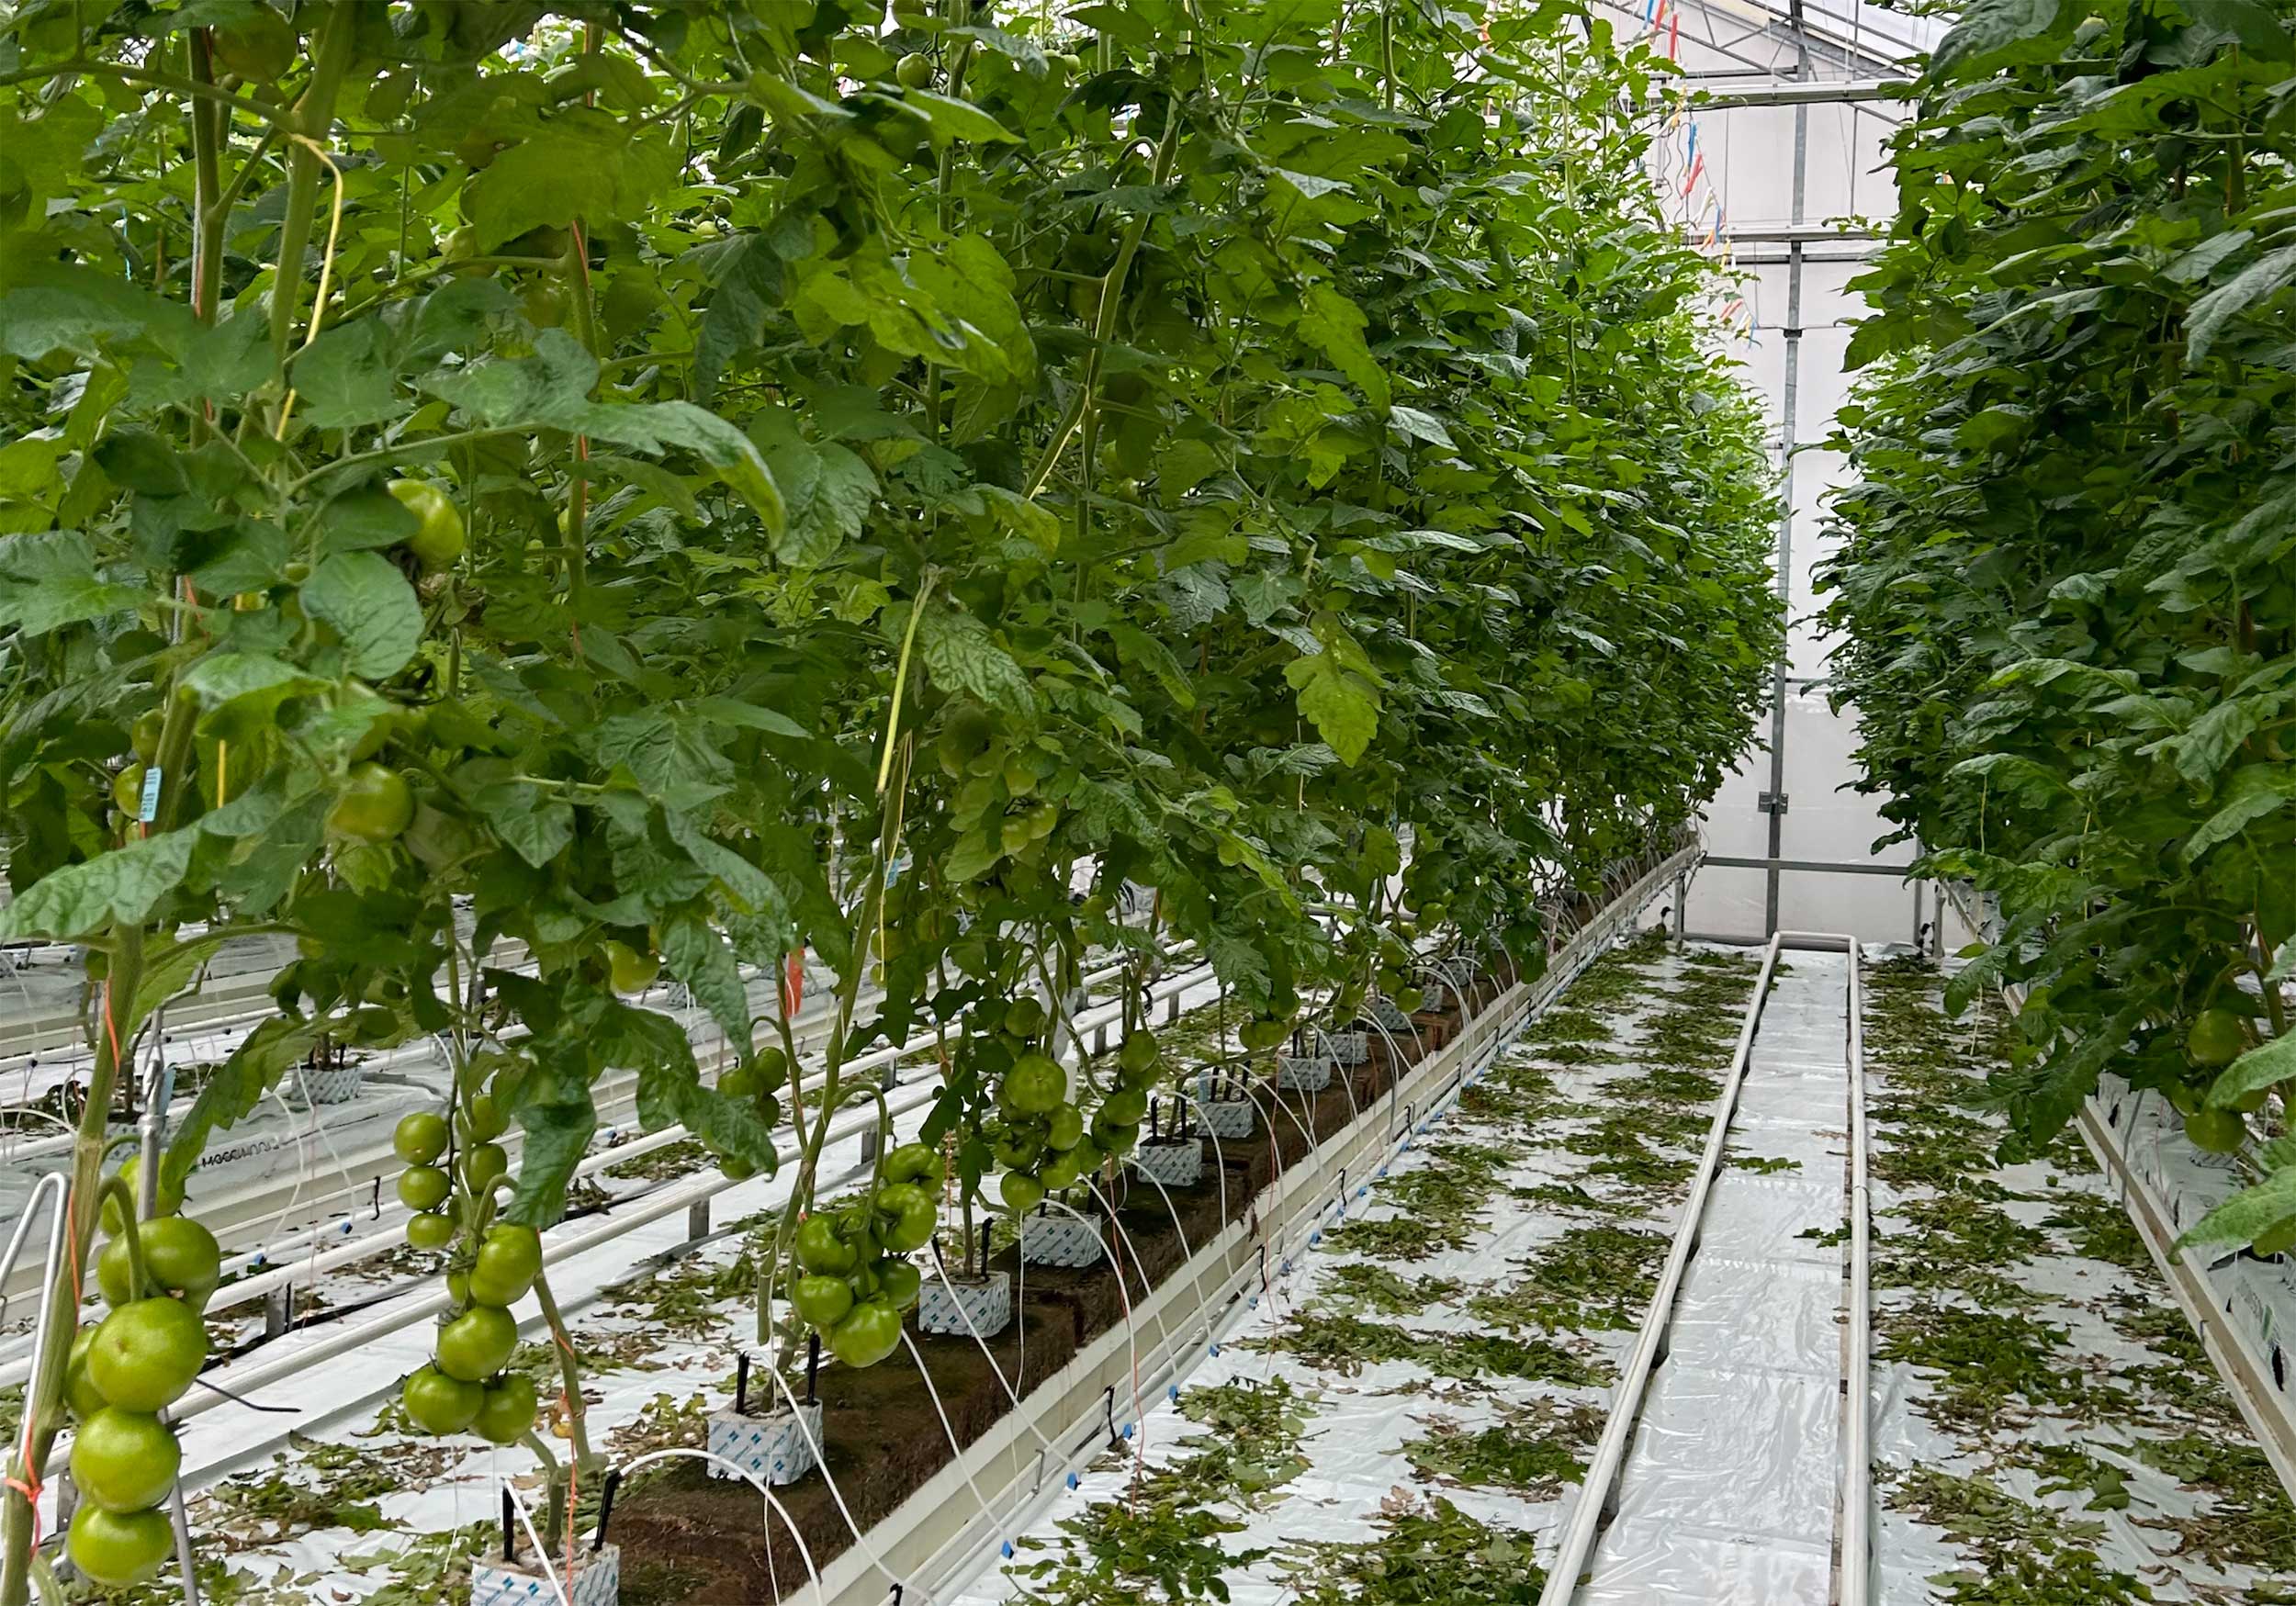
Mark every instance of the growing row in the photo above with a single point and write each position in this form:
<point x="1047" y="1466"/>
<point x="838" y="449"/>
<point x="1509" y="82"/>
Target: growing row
<point x="2066" y="584"/>
<point x="688" y="485"/>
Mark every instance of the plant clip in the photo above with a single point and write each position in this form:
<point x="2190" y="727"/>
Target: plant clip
<point x="510" y="1528"/>
<point x="742" y="1383"/>
<point x="813" y="1365"/>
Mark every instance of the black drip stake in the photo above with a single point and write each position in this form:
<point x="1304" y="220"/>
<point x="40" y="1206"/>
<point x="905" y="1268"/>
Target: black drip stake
<point x="605" y="1511"/>
<point x="510" y="1530"/>
<point x="813" y="1366"/>
<point x="741" y="1384"/>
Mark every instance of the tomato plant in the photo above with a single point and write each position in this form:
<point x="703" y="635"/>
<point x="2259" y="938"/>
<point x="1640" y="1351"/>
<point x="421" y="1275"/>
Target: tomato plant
<point x="718" y="482"/>
<point x="2066" y="593"/>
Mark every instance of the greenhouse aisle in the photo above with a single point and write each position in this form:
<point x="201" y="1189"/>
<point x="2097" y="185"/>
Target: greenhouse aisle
<point x="1730" y="1490"/>
<point x="1401" y="1415"/>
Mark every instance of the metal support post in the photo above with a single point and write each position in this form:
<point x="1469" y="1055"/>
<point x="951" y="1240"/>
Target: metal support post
<point x="1786" y="424"/>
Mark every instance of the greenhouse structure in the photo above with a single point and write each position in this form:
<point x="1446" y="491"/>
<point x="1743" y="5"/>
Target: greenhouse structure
<point x="1287" y="803"/>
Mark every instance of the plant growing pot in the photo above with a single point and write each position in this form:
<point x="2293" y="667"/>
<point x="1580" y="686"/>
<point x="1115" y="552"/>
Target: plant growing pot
<point x="1176" y="1163"/>
<point x="537" y="1580"/>
<point x="1383" y="1012"/>
<point x="1348" y="1048"/>
<point x="1303" y="1073"/>
<point x="1060" y="1241"/>
<point x="772" y="1446"/>
<point x="328" y="1076"/>
<point x="984" y="1302"/>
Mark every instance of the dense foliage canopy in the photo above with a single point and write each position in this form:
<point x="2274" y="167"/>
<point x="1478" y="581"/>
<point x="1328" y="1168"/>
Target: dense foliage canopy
<point x="710" y="481"/>
<point x="2067" y="587"/>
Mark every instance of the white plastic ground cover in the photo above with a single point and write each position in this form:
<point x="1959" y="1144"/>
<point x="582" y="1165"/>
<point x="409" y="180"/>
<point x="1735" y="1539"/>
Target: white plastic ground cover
<point x="2047" y="1426"/>
<point x="331" y="1503"/>
<point x="1728" y="1493"/>
<point x="1376" y="1479"/>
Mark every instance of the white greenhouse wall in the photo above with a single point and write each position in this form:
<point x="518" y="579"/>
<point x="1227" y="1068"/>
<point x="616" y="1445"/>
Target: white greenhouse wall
<point x="1737" y="183"/>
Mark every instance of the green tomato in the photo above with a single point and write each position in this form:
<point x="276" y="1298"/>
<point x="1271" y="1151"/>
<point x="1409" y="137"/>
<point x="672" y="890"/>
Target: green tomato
<point x="912" y="1161"/>
<point x="1020" y="1192"/>
<point x="1024" y="1018"/>
<point x="125" y="1460"/>
<point x="474" y="1345"/>
<point x="485" y="1165"/>
<point x="919" y="1219"/>
<point x="424" y="1187"/>
<point x="1127" y="1107"/>
<point x="1062" y="1171"/>
<point x="1115" y="1137"/>
<point x="438" y="538"/>
<point x="117" y="1549"/>
<point x="419" y="1137"/>
<point x="2215" y="1038"/>
<point x="179" y="1256"/>
<point x="259" y="47"/>
<point x="740" y="1083"/>
<point x="506" y="1410"/>
<point x="509" y="1259"/>
<point x="1139" y="1051"/>
<point x="429" y="1229"/>
<point x="819" y="1249"/>
<point x="374" y="805"/>
<point x="80" y="1393"/>
<point x="773" y="1068"/>
<point x="1065" y="1127"/>
<point x="898" y="1282"/>
<point x="171" y="1200"/>
<point x="486" y="1122"/>
<point x="1035" y="1085"/>
<point x="439" y="1404"/>
<point x="128" y="790"/>
<point x="821" y="1301"/>
<point x="869" y="1332"/>
<point x="632" y="972"/>
<point x="146" y="1353"/>
<point x="915" y="70"/>
<point x="2217" y="1132"/>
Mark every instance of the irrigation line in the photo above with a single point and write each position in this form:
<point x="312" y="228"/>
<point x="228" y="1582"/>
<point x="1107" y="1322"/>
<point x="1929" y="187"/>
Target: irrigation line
<point x="942" y="1267"/>
<point x="821" y="1462"/>
<point x="804" y="1551"/>
<point x="542" y="1551"/>
<point x="1597" y="1487"/>
<point x="956" y="1451"/>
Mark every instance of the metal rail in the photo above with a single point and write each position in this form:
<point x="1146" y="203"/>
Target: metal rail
<point x="1598" y="1490"/>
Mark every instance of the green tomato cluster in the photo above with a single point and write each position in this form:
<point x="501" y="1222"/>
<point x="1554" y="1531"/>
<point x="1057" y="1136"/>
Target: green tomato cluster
<point x="856" y="1278"/>
<point x="465" y="1388"/>
<point x="1042" y="1138"/>
<point x="120" y="1375"/>
<point x="758" y="1081"/>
